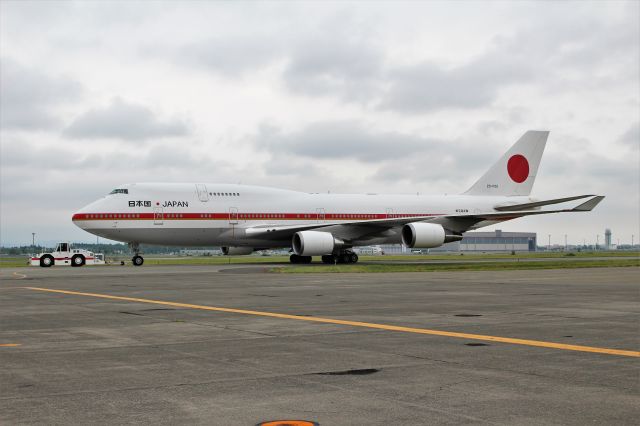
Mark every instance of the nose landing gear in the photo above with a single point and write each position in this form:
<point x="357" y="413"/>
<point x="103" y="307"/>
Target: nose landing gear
<point x="137" y="260"/>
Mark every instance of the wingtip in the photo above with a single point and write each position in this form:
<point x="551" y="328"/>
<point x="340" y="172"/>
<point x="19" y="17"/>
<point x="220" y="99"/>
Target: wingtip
<point x="589" y="205"/>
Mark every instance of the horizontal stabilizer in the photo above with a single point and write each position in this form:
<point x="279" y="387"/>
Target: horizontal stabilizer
<point x="587" y="206"/>
<point x="527" y="206"/>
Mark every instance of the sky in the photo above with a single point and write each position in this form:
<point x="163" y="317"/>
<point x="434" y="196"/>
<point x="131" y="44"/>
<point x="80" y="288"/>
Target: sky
<point x="386" y="97"/>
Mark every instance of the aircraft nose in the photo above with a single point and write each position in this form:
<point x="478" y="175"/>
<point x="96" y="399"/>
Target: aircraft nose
<point x="79" y="218"/>
<point x="82" y="217"/>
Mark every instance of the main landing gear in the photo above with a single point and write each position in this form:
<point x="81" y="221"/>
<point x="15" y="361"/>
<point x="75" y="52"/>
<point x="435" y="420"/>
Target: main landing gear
<point x="294" y="258"/>
<point x="137" y="260"/>
<point x="342" y="257"/>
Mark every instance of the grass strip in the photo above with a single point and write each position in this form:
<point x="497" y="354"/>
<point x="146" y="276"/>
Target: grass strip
<point x="431" y="267"/>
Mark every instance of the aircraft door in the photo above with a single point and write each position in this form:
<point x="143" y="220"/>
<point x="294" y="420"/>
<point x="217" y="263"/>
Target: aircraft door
<point x="233" y="215"/>
<point x="158" y="216"/>
<point x="389" y="212"/>
<point x="203" y="194"/>
<point x="321" y="214"/>
<point x="233" y="219"/>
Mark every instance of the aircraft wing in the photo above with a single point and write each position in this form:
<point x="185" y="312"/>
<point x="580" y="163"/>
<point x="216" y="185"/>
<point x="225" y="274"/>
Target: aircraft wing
<point x="463" y="223"/>
<point x="343" y="230"/>
<point x="458" y="223"/>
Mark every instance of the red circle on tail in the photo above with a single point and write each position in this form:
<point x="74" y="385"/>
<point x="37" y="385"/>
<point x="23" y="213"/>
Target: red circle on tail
<point x="518" y="168"/>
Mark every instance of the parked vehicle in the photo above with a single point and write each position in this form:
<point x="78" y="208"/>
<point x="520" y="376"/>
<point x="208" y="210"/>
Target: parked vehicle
<point x="66" y="255"/>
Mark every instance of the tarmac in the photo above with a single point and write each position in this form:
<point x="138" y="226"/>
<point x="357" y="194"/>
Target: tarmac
<point x="232" y="345"/>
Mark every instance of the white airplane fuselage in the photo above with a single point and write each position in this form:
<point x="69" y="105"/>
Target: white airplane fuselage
<point x="187" y="214"/>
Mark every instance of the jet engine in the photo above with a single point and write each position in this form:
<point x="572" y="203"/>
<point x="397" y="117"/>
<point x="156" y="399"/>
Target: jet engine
<point x="314" y="243"/>
<point x="236" y="251"/>
<point x="426" y="235"/>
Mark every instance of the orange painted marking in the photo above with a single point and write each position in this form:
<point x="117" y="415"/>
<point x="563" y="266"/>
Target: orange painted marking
<point x="9" y="345"/>
<point x="513" y="341"/>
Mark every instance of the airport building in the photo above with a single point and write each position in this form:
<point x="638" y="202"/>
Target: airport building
<point x="497" y="240"/>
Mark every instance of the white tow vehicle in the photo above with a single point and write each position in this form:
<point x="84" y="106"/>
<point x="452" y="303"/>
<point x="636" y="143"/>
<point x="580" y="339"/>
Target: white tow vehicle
<point x="66" y="255"/>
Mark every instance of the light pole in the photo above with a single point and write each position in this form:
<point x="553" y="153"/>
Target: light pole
<point x="33" y="239"/>
<point x="565" y="242"/>
<point x="549" y="245"/>
<point x="597" y="241"/>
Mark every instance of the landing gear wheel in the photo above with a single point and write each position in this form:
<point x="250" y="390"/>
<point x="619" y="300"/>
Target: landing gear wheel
<point x="47" y="261"/>
<point x="77" y="260"/>
<point x="137" y="260"/>
<point x="345" y="256"/>
<point x="329" y="259"/>
<point x="294" y="258"/>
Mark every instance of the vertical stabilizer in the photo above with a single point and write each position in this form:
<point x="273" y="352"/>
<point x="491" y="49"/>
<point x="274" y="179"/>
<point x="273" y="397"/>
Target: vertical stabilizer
<point x="515" y="171"/>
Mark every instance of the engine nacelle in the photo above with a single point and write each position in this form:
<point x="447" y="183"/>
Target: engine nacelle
<point x="423" y="235"/>
<point x="236" y="251"/>
<point x="313" y="243"/>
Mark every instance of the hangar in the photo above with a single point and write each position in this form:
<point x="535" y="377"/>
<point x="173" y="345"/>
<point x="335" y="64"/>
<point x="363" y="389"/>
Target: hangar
<point x="497" y="240"/>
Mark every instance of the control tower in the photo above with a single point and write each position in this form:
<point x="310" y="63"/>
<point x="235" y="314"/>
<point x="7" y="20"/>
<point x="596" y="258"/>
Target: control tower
<point x="607" y="239"/>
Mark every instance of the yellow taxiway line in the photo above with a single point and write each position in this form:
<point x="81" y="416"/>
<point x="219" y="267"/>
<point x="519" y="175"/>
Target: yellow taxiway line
<point x="9" y="345"/>
<point x="510" y="340"/>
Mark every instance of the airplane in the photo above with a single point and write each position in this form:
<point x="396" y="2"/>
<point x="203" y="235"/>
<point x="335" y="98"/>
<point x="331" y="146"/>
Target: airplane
<point x="243" y="218"/>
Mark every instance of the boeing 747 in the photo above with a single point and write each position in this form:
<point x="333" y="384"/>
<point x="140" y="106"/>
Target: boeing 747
<point x="243" y="218"/>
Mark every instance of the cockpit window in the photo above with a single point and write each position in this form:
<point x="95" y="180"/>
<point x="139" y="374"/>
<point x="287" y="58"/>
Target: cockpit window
<point x="119" y="191"/>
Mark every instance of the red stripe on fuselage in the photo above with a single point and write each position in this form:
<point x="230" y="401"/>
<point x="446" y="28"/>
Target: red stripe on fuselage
<point x="245" y="216"/>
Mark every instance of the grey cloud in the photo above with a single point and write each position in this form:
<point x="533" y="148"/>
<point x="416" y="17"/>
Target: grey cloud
<point x="396" y="158"/>
<point x="632" y="136"/>
<point x="231" y="56"/>
<point x="589" y="168"/>
<point x="123" y="120"/>
<point x="19" y="154"/>
<point x="29" y="96"/>
<point x="581" y="40"/>
<point x="427" y="86"/>
<point x="344" y="140"/>
<point x="286" y="165"/>
<point x="349" y="69"/>
<point x="450" y="166"/>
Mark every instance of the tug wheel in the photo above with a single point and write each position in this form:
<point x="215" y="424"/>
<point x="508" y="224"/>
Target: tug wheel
<point x="77" y="260"/>
<point x="47" y="261"/>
